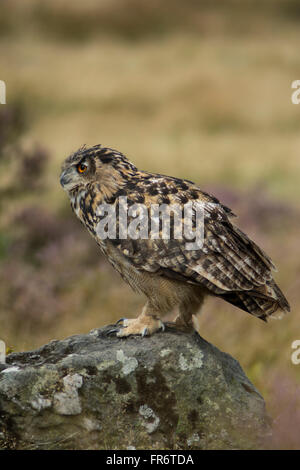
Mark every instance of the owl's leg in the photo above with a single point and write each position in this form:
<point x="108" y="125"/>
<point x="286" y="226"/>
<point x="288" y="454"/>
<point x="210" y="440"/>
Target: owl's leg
<point x="187" y="310"/>
<point x="145" y="324"/>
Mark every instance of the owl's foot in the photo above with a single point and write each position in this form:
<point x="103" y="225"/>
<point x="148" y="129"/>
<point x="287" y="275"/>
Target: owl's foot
<point x="144" y="325"/>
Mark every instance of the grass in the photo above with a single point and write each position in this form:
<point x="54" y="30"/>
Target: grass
<point x="204" y="94"/>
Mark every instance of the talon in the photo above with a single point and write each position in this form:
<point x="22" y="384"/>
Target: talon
<point x="120" y="321"/>
<point x="162" y="326"/>
<point x="145" y="332"/>
<point x="112" y="331"/>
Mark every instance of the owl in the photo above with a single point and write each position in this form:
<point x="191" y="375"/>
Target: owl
<point x="120" y="207"/>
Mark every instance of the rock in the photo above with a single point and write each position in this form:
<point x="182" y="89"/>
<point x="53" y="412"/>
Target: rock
<point x="172" y="390"/>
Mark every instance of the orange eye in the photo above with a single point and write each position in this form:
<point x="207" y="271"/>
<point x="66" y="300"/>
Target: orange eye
<point x="81" y="168"/>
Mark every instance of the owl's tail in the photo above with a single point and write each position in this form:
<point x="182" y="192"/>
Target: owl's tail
<point x="263" y="302"/>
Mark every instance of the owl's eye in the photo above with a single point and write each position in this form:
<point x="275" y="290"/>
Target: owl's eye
<point x="82" y="167"/>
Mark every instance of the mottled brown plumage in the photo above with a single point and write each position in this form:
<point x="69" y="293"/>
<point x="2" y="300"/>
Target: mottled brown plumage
<point x="228" y="265"/>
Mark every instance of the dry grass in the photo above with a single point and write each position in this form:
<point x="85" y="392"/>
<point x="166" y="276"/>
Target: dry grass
<point x="203" y="93"/>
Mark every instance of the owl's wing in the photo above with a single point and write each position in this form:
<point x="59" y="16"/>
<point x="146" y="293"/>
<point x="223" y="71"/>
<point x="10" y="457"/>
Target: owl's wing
<point x="227" y="260"/>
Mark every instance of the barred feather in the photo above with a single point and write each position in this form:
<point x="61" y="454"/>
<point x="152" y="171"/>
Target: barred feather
<point x="229" y="264"/>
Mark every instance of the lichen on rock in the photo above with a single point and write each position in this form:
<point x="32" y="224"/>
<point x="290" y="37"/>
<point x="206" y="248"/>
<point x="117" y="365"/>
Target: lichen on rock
<point x="172" y="390"/>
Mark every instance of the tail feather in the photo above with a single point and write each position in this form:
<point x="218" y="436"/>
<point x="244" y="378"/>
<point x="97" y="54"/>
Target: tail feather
<point x="263" y="302"/>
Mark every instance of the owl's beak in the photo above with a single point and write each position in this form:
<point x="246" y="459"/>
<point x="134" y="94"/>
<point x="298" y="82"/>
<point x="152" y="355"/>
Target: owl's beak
<point x="64" y="179"/>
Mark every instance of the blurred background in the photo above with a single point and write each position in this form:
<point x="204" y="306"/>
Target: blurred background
<point x="194" y="89"/>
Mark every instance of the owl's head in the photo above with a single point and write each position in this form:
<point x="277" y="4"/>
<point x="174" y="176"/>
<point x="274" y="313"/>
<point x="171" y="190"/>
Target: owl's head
<point x="95" y="164"/>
